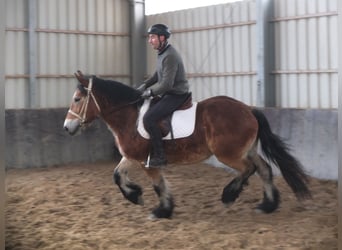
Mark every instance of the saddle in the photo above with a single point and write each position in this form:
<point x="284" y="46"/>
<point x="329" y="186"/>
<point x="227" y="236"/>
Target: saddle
<point x="165" y="125"/>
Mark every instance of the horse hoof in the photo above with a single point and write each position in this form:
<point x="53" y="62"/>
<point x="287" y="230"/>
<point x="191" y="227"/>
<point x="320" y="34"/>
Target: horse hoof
<point x="227" y="205"/>
<point x="258" y="210"/>
<point x="269" y="205"/>
<point x="163" y="212"/>
<point x="266" y="208"/>
<point x="152" y="217"/>
<point x="135" y="194"/>
<point x="140" y="201"/>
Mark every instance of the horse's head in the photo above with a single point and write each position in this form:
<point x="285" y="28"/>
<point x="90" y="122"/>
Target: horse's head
<point x="84" y="107"/>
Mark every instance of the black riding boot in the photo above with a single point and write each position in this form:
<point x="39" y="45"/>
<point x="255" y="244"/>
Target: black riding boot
<point x="157" y="155"/>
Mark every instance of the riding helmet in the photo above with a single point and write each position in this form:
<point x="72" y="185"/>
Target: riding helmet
<point x="160" y="30"/>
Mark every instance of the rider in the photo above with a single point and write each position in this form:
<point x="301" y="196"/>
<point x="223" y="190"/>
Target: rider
<point x="169" y="82"/>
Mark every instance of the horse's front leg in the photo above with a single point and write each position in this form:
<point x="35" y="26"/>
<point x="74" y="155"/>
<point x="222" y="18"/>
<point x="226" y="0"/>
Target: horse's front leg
<point x="130" y="191"/>
<point x="161" y="187"/>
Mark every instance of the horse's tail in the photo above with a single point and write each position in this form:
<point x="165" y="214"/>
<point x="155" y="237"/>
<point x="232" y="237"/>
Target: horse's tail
<point x="277" y="152"/>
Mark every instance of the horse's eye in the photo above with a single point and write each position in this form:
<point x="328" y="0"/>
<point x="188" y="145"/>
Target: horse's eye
<point x="77" y="99"/>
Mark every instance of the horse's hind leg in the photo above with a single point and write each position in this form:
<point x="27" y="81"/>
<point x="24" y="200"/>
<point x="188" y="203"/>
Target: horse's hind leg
<point x="130" y="191"/>
<point x="160" y="186"/>
<point x="232" y="191"/>
<point x="271" y="195"/>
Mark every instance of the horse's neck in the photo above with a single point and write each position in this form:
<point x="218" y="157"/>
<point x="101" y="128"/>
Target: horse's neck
<point x="122" y="122"/>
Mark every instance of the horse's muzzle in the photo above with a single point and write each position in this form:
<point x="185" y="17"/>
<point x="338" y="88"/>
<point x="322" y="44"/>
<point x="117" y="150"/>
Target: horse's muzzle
<point x="71" y="126"/>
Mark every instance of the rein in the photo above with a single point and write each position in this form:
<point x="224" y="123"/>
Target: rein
<point x="82" y="116"/>
<point x="125" y="105"/>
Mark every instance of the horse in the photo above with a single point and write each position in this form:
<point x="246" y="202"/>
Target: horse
<point x="224" y="127"/>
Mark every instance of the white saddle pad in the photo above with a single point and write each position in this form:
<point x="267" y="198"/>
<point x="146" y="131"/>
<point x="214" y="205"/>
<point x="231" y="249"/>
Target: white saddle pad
<point x="182" y="121"/>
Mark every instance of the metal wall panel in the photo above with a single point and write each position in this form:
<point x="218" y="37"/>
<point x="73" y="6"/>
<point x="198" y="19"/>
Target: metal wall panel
<point x="91" y="35"/>
<point x="218" y="47"/>
<point x="16" y="53"/>
<point x="218" y="44"/>
<point x="306" y="53"/>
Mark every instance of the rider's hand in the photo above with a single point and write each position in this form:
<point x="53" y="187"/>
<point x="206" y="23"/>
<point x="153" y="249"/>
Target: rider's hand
<point x="146" y="94"/>
<point x="142" y="87"/>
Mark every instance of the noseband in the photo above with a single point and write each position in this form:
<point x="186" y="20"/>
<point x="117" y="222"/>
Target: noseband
<point x="82" y="116"/>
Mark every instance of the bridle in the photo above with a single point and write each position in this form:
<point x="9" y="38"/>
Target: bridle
<point x="82" y="116"/>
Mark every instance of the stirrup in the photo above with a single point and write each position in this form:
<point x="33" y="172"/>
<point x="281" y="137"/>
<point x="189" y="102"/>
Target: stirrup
<point x="148" y="165"/>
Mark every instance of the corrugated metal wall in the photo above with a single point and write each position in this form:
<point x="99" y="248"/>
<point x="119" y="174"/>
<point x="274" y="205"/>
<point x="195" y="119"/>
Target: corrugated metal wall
<point x="218" y="44"/>
<point x="16" y="53"/>
<point x="306" y="53"/>
<point x="90" y="35"/>
<point x="218" y="48"/>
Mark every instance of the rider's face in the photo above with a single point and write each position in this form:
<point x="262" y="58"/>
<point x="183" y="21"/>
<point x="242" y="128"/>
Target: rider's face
<point x="154" y="41"/>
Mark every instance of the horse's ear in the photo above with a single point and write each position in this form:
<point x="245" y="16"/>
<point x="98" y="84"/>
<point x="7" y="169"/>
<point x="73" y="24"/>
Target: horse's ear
<point x="80" y="77"/>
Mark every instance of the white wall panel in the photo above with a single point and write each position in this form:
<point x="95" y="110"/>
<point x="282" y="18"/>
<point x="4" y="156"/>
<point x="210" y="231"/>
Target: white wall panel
<point x="90" y="35"/>
<point x="16" y="54"/>
<point x="216" y="43"/>
<point x="16" y="15"/>
<point x="16" y="93"/>
<point x="306" y="53"/>
<point x="221" y="58"/>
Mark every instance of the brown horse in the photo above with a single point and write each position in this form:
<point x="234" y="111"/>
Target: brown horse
<point x="224" y="127"/>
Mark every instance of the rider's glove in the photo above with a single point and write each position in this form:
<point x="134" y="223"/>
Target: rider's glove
<point x="146" y="94"/>
<point x="142" y="87"/>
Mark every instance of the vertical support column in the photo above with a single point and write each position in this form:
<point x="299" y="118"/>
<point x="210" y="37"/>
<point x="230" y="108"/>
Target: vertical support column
<point x="340" y="124"/>
<point x="32" y="46"/>
<point x="265" y="54"/>
<point x="137" y="40"/>
<point x="2" y="124"/>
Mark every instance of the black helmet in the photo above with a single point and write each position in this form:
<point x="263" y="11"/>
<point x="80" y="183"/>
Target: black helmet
<point x="159" y="29"/>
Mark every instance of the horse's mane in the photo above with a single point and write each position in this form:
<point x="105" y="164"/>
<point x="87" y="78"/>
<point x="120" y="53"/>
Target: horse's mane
<point x="115" y="92"/>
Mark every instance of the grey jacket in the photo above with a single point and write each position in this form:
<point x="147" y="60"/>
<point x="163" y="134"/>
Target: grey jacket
<point x="169" y="77"/>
